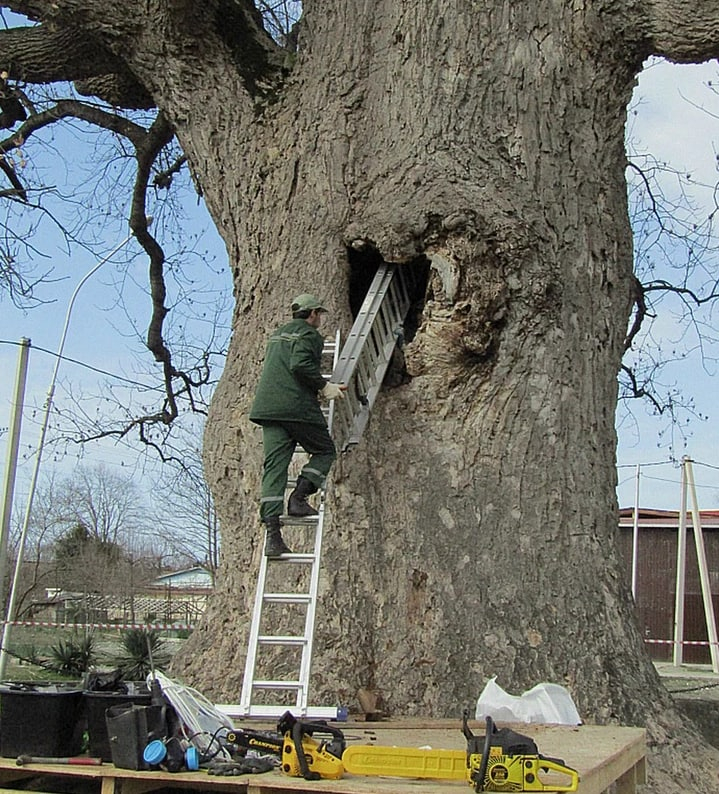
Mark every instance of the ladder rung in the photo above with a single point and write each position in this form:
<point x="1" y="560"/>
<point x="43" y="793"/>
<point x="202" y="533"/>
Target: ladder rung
<point x="268" y="639"/>
<point x="313" y="712"/>
<point x="287" y="598"/>
<point x="299" y="521"/>
<point x="264" y="684"/>
<point x="298" y="558"/>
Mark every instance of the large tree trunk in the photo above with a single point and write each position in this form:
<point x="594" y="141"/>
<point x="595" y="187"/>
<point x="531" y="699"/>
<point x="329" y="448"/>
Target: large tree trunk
<point x="473" y="531"/>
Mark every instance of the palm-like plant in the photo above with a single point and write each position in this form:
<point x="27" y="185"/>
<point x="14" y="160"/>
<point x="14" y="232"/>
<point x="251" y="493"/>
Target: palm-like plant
<point x="143" y="650"/>
<point x="74" y="656"/>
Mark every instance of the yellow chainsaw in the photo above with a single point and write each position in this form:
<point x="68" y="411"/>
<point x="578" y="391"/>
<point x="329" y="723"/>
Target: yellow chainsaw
<point x="501" y="760"/>
<point x="311" y="750"/>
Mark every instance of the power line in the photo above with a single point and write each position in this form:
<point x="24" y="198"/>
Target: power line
<point x="85" y="365"/>
<point x="655" y="463"/>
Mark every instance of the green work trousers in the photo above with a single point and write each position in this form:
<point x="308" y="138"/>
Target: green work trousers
<point x="279" y="441"/>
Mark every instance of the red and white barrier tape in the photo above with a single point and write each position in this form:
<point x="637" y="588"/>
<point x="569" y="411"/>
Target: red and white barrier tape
<point x="47" y="624"/>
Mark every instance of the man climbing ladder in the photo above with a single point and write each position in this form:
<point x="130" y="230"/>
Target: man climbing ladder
<point x="286" y="406"/>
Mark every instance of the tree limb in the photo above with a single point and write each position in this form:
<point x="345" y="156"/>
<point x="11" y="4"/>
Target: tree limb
<point x="163" y="179"/>
<point x="43" y="55"/>
<point x="685" y="31"/>
<point x="63" y="109"/>
<point x="666" y="286"/>
<point x="640" y="313"/>
<point x="639" y="392"/>
<point x="80" y="110"/>
<point x="112" y="33"/>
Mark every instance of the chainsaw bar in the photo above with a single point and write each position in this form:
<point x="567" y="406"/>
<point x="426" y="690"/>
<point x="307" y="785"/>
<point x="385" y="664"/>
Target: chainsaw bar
<point x="405" y="762"/>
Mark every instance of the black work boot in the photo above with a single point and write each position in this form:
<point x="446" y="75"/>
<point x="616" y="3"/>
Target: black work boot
<point x="297" y="504"/>
<point x="274" y="545"/>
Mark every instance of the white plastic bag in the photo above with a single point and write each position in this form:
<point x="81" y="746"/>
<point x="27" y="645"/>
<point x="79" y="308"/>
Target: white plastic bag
<point x="544" y="703"/>
<point x="200" y="718"/>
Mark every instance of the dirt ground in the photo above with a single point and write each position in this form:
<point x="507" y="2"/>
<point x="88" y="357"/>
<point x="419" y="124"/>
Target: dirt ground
<point x="695" y="688"/>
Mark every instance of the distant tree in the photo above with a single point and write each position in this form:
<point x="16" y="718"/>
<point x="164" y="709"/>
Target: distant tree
<point x="182" y="503"/>
<point x="84" y="562"/>
<point x="89" y="532"/>
<point x="46" y="525"/>
<point x="108" y="506"/>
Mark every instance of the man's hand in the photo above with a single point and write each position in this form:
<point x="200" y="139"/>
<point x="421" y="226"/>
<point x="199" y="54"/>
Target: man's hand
<point x="333" y="391"/>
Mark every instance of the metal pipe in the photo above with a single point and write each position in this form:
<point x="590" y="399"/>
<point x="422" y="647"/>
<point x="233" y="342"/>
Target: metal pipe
<point x="13" y="446"/>
<point x="635" y="535"/>
<point x="681" y="572"/>
<point x="704" y="577"/>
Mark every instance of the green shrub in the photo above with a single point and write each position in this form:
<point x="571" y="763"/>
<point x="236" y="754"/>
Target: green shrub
<point x="138" y="645"/>
<point x="73" y="657"/>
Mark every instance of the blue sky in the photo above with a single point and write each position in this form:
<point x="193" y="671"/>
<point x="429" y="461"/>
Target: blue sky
<point x="668" y="122"/>
<point x="106" y="329"/>
<point x="676" y="118"/>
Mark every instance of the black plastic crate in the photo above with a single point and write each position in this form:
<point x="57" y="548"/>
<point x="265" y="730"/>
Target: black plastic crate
<point x="96" y="706"/>
<point x="41" y="720"/>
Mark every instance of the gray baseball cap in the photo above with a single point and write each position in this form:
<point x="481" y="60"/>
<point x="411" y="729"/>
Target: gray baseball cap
<point x="307" y="302"/>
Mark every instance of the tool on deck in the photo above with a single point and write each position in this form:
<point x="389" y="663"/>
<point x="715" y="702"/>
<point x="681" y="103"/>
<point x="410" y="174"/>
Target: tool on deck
<point x="501" y="760"/>
<point x="509" y="761"/>
<point x="259" y="741"/>
<point x="304" y="756"/>
<point x="80" y="760"/>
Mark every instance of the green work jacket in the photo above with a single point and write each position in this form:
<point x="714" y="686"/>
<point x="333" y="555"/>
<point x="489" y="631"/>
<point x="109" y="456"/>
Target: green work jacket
<point x="291" y="376"/>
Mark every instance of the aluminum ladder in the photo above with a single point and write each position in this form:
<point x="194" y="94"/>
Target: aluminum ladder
<point x="368" y="350"/>
<point x="302" y="642"/>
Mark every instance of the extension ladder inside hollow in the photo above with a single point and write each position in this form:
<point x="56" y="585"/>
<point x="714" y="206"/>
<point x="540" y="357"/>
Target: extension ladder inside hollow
<point x="368" y="350"/>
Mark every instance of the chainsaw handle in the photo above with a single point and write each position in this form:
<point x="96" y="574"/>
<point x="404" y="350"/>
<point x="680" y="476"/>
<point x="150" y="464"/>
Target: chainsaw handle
<point x="489" y="730"/>
<point x="550" y="765"/>
<point x="297" y="732"/>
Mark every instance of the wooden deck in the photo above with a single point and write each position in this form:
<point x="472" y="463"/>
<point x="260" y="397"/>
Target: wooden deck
<point x="603" y="756"/>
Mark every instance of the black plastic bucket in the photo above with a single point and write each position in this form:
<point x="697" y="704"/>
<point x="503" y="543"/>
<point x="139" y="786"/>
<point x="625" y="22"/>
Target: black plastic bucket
<point x="40" y="720"/>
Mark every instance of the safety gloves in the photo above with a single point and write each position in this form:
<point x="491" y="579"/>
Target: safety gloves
<point x="333" y="391"/>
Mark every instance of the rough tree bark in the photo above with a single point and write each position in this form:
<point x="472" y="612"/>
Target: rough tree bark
<point x="473" y="531"/>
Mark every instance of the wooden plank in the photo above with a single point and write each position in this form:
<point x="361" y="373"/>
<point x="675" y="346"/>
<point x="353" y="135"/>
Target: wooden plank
<point x="14" y="791"/>
<point x="603" y="756"/>
<point x="627" y="783"/>
<point x="108" y="785"/>
<point x="128" y="781"/>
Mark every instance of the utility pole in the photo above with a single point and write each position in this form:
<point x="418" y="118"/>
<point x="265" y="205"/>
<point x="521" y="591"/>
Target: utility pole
<point x="13" y="446"/>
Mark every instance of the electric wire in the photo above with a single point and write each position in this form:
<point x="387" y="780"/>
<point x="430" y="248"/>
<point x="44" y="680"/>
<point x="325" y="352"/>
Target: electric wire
<point x="85" y="365"/>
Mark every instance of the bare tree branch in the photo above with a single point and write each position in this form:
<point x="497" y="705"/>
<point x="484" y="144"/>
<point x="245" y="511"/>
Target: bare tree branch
<point x="694" y="297"/>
